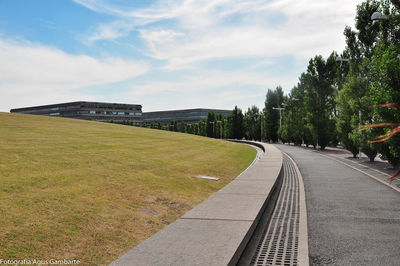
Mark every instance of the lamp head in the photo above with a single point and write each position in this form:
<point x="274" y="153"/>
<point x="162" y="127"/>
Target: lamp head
<point x="378" y="16"/>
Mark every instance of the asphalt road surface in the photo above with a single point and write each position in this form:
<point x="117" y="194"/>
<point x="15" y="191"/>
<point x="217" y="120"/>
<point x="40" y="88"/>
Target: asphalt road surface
<point x="352" y="219"/>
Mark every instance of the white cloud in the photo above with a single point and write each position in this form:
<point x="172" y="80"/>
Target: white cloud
<point x="307" y="28"/>
<point x="303" y="28"/>
<point x="111" y="31"/>
<point x="208" y="89"/>
<point x="185" y="33"/>
<point x="36" y="74"/>
<point x="212" y="80"/>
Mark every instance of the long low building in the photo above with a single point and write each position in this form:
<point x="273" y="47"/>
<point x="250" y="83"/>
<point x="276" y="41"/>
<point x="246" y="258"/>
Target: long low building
<point x="185" y="116"/>
<point x="98" y="111"/>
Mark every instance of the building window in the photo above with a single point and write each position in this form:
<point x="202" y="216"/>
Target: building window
<point x="54" y="114"/>
<point x="92" y="112"/>
<point x="121" y="113"/>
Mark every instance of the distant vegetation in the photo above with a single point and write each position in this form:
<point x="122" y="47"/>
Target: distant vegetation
<point x="333" y="97"/>
<point x="87" y="190"/>
<point x="337" y="95"/>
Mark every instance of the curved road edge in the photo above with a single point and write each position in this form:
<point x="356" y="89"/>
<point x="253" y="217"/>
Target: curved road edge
<point x="381" y="180"/>
<point x="216" y="231"/>
<point x="303" y="256"/>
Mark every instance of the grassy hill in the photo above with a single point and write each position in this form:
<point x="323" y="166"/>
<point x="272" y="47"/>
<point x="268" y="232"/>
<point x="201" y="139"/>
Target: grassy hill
<point x="86" y="190"/>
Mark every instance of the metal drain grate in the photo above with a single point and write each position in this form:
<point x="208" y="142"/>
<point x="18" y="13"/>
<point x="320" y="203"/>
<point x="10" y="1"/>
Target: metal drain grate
<point x="279" y="245"/>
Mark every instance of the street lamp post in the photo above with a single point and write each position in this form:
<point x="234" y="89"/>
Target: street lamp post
<point x="261" y="125"/>
<point x="280" y="116"/>
<point x="213" y="123"/>
<point x="340" y="59"/>
<point x="225" y="126"/>
<point x="376" y="16"/>
<point x="359" y="133"/>
<point x="261" y="128"/>
<point x="220" y="128"/>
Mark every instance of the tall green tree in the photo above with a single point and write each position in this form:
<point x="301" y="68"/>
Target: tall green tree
<point x="354" y="107"/>
<point x="237" y="123"/>
<point x="365" y="47"/>
<point x="211" y="125"/>
<point x="252" y="126"/>
<point x="219" y="125"/>
<point x="273" y="99"/>
<point x="293" y="129"/>
<point x="320" y="99"/>
<point x="228" y="127"/>
<point x="360" y="45"/>
<point x="385" y="88"/>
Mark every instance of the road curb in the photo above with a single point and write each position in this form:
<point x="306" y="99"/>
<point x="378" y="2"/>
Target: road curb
<point x="303" y="253"/>
<point x="365" y="173"/>
<point x="217" y="230"/>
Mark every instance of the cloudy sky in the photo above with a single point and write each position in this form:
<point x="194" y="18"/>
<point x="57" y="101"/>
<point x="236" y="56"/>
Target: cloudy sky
<point x="163" y="54"/>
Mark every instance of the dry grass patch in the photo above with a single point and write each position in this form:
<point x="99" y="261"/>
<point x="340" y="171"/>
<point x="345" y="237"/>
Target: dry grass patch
<point x="91" y="191"/>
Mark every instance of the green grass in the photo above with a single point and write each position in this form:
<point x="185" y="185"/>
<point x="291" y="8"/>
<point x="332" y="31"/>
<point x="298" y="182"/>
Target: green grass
<point x="76" y="189"/>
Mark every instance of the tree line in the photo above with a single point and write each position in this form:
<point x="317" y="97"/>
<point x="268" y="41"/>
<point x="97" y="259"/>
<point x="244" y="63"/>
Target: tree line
<point x="215" y="126"/>
<point x="333" y="96"/>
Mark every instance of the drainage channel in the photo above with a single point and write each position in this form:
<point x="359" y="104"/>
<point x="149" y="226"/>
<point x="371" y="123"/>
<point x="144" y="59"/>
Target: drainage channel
<point x="276" y="238"/>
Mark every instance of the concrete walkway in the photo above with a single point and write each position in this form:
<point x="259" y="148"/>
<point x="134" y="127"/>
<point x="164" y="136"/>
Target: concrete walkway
<point x="352" y="218"/>
<point x="216" y="231"/>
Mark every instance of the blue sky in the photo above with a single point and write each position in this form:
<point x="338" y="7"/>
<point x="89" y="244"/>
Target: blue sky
<point x="162" y="54"/>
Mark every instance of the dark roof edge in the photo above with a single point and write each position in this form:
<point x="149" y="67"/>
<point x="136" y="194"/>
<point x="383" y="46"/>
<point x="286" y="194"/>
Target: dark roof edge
<point x="194" y="109"/>
<point x="67" y="103"/>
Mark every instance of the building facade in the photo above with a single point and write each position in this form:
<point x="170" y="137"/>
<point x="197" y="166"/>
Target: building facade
<point x="98" y="111"/>
<point x="186" y="116"/>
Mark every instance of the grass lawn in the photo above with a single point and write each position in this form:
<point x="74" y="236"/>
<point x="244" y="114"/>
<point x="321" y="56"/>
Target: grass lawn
<point x="86" y="190"/>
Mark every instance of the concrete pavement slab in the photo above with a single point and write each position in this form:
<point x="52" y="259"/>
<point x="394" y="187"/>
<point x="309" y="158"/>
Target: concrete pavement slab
<point x="249" y="186"/>
<point x="239" y="207"/>
<point x="189" y="242"/>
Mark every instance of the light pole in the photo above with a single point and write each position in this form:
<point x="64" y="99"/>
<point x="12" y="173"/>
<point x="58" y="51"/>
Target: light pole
<point x="220" y="128"/>
<point x="376" y="16"/>
<point x="280" y="116"/>
<point x="292" y="106"/>
<point x="261" y="119"/>
<point x="225" y="127"/>
<point x="261" y="128"/>
<point x="359" y="133"/>
<point x="340" y="59"/>
<point x="213" y="123"/>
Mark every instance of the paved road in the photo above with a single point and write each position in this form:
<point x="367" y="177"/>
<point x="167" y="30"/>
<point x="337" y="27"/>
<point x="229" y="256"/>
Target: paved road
<point x="352" y="219"/>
